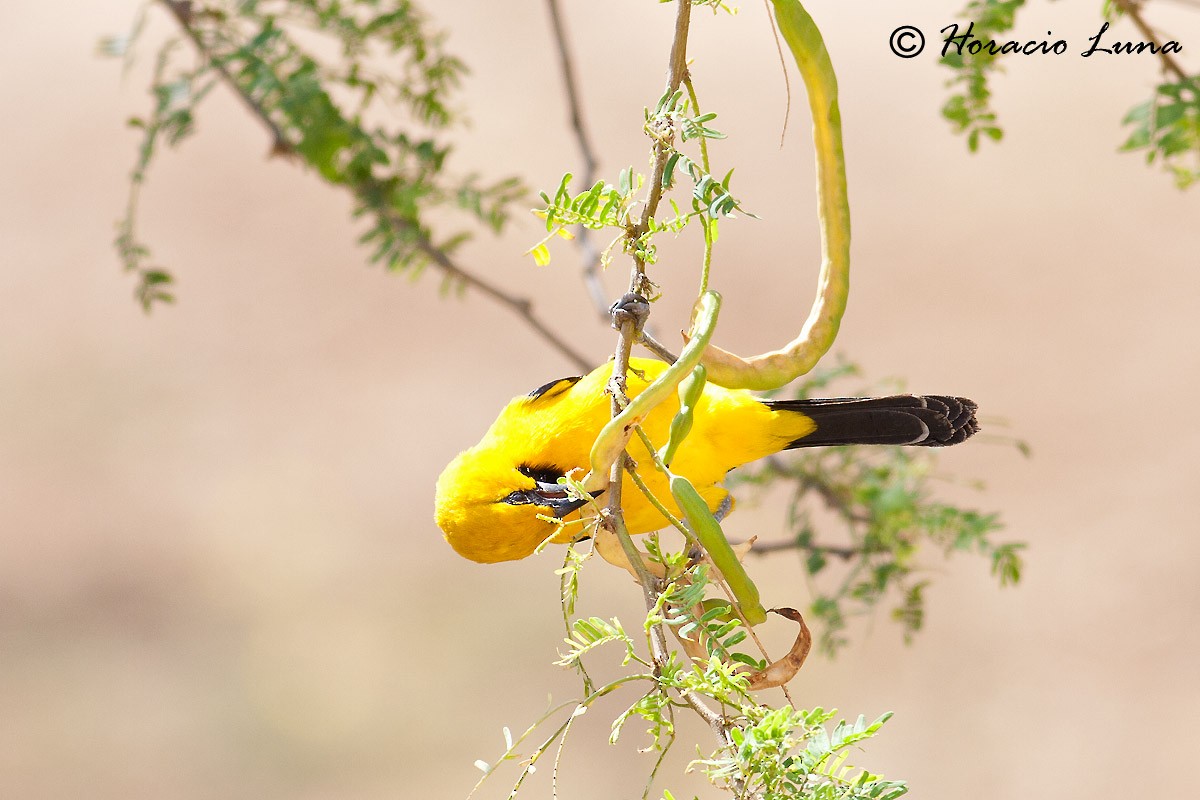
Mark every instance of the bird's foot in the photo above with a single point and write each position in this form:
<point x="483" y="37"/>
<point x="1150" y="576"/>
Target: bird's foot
<point x="723" y="510"/>
<point x="632" y="307"/>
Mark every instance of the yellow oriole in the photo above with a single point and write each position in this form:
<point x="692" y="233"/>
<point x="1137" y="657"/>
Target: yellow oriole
<point x="490" y="496"/>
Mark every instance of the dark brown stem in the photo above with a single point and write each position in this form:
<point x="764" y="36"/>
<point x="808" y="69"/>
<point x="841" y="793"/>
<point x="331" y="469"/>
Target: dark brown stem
<point x="787" y="81"/>
<point x="181" y="10"/>
<point x="1133" y="10"/>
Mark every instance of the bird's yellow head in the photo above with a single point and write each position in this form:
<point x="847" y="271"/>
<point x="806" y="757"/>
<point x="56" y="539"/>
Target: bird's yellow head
<point x="489" y="497"/>
<point x="488" y="508"/>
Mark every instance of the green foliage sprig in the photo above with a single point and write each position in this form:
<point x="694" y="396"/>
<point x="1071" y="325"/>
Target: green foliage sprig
<point x="177" y="91"/>
<point x="786" y="753"/>
<point x="607" y="206"/>
<point x="772" y="753"/>
<point x="1166" y="127"/>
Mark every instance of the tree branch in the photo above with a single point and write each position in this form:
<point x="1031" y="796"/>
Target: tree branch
<point x="1133" y="10"/>
<point x="846" y="553"/>
<point x="181" y="10"/>
<point x="657" y="347"/>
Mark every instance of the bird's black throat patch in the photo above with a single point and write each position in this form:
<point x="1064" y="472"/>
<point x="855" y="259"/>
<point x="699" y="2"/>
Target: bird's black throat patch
<point x="547" y="492"/>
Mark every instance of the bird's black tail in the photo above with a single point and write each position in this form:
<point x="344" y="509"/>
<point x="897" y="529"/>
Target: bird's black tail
<point x="930" y="421"/>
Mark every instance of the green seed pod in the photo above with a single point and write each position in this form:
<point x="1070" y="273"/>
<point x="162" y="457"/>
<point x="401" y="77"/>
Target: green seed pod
<point x="690" y="389"/>
<point x="712" y="539"/>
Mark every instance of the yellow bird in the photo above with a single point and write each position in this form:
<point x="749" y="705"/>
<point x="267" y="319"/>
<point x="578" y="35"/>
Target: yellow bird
<point x="490" y="496"/>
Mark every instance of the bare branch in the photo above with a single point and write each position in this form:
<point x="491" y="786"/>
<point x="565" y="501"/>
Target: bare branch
<point x="657" y="347"/>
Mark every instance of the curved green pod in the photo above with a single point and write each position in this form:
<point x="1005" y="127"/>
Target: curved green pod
<point x="776" y="368"/>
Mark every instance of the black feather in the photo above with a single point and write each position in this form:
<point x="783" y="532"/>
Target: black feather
<point x="929" y="421"/>
<point x="562" y="383"/>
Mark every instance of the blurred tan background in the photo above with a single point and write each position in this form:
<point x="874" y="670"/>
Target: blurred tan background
<point x="219" y="576"/>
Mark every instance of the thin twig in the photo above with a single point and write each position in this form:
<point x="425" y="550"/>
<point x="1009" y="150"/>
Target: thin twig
<point x="614" y="521"/>
<point x="613" y="518"/>
<point x="590" y="161"/>
<point x="704" y="218"/>
<point x="181" y="10"/>
<point x="658" y="348"/>
<point x="763" y="548"/>
<point x="521" y="306"/>
<point x="583" y="236"/>
<point x="676" y="70"/>
<point x="787" y="81"/>
<point x="1133" y="10"/>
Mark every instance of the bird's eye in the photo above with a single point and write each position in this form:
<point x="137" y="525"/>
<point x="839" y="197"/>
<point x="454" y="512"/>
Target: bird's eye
<point x="543" y="476"/>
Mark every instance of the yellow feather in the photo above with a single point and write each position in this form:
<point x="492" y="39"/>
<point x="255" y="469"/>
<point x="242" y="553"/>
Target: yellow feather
<point x="555" y="430"/>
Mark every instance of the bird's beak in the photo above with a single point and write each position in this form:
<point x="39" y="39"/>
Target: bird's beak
<point x="550" y="496"/>
<point x="555" y="497"/>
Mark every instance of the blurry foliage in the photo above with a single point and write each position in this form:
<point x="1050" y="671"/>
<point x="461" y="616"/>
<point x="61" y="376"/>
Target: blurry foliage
<point x="321" y="110"/>
<point x="969" y="109"/>
<point x="1166" y="127"/>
